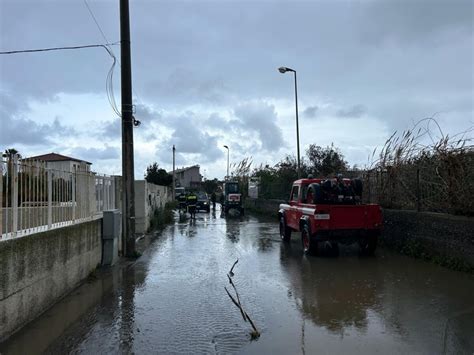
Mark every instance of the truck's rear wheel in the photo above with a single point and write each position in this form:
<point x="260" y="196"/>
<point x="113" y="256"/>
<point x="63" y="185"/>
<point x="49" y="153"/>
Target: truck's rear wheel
<point x="310" y="246"/>
<point x="334" y="249"/>
<point x="285" y="231"/>
<point x="368" y="244"/>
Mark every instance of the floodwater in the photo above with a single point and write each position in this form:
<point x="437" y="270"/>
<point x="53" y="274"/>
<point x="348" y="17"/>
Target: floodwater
<point x="172" y="300"/>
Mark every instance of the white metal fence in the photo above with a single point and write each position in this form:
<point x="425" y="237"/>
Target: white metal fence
<point x="35" y="198"/>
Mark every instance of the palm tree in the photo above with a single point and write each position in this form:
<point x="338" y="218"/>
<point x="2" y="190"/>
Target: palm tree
<point x="9" y="154"/>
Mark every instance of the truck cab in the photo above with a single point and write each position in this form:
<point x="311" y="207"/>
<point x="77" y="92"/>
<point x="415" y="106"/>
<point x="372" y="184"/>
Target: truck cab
<point x="232" y="197"/>
<point x="330" y="211"/>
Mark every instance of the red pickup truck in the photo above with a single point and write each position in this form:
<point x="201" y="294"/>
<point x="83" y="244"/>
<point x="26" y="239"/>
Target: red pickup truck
<point x="328" y="212"/>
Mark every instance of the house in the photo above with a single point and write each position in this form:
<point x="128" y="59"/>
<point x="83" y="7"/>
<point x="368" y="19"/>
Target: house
<point x="188" y="177"/>
<point x="61" y="162"/>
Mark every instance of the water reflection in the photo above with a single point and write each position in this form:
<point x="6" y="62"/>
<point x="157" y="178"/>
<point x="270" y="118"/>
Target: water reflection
<point x="233" y="231"/>
<point x="334" y="293"/>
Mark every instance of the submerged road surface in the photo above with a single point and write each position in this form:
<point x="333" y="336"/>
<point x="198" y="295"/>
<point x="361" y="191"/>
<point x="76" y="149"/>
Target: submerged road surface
<point x="172" y="300"/>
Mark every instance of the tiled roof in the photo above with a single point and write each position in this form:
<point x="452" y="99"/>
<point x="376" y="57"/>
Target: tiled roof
<point x="56" y="157"/>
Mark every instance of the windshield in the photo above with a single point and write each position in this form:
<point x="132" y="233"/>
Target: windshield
<point x="202" y="196"/>
<point x="232" y="188"/>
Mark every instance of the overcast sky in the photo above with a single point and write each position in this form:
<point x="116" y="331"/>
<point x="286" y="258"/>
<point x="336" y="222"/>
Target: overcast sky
<point x="205" y="74"/>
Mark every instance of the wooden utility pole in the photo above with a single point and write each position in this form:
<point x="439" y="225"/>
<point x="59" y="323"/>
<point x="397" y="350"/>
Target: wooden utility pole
<point x="127" y="132"/>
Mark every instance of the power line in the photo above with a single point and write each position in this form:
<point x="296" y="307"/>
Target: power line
<point x="109" y="81"/>
<point x="59" y="48"/>
<point x="106" y="40"/>
<point x="95" y="20"/>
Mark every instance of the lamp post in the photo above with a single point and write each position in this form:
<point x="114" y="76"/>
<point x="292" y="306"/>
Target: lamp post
<point x="226" y="147"/>
<point x="283" y="70"/>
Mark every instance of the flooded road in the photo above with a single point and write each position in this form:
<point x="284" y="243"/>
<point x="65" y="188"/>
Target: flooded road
<point x="172" y="300"/>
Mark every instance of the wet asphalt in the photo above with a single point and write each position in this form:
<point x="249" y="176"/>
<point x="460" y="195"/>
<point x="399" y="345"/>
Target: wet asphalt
<point x="172" y="300"/>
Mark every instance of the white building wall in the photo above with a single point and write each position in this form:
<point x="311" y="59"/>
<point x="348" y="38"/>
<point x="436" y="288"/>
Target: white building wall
<point x="189" y="176"/>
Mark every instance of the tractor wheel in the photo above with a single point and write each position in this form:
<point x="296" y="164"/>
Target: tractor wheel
<point x="285" y="231"/>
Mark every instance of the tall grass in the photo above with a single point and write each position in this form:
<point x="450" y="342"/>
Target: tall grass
<point x="423" y="166"/>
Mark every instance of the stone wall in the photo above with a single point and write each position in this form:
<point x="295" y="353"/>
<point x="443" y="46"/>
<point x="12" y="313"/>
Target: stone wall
<point x="262" y="206"/>
<point x="39" y="269"/>
<point x="444" y="238"/>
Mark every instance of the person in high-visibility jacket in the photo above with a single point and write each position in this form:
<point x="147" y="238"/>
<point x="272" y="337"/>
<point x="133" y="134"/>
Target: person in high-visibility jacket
<point x="182" y="202"/>
<point x="192" y="200"/>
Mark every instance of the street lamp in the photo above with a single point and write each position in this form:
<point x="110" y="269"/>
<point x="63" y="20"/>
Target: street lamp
<point x="226" y="147"/>
<point x="283" y="70"/>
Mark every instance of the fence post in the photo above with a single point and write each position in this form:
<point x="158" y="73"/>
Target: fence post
<point x="1" y="198"/>
<point x="418" y="192"/>
<point x="14" y="196"/>
<point x="50" y="198"/>
<point x="73" y="195"/>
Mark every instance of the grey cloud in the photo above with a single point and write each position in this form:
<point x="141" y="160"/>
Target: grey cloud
<point x="261" y="117"/>
<point x="190" y="139"/>
<point x="352" y="112"/>
<point x="27" y="132"/>
<point x="145" y="114"/>
<point x="112" y="129"/>
<point x="94" y="154"/>
<point x="310" y="111"/>
<point x="409" y="21"/>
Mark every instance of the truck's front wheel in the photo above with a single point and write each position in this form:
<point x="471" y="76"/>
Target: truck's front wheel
<point x="285" y="231"/>
<point x="310" y="246"/>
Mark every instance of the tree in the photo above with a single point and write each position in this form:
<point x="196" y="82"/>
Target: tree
<point x="210" y="186"/>
<point x="326" y="161"/>
<point x="9" y="153"/>
<point x="158" y="176"/>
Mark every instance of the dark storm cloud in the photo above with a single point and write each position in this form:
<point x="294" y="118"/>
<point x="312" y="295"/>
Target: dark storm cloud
<point x="261" y="118"/>
<point x="352" y="112"/>
<point x="310" y="111"/>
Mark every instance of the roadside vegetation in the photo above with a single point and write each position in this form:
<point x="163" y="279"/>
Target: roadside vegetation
<point x="420" y="169"/>
<point x="155" y="175"/>
<point x="162" y="216"/>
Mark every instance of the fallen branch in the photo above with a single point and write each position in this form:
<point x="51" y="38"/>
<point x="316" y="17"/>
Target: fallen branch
<point x="255" y="333"/>
<point x="231" y="273"/>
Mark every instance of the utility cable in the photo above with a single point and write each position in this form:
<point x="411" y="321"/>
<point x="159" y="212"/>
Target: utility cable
<point x="59" y="48"/>
<point x="109" y="80"/>
<point x="106" y="40"/>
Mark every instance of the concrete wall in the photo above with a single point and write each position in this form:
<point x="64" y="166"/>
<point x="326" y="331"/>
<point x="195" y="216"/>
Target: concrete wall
<point x="148" y="198"/>
<point x="37" y="270"/>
